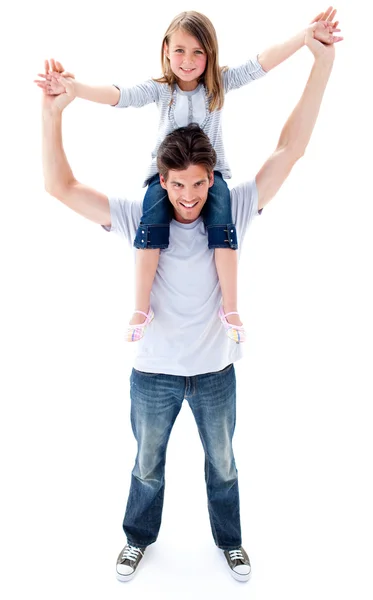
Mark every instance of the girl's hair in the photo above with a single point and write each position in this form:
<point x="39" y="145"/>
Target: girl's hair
<point x="201" y="28"/>
<point x="184" y="147"/>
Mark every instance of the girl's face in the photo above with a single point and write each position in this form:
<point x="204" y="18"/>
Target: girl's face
<point x="187" y="59"/>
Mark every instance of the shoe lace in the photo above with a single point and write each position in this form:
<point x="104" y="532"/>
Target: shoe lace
<point x="131" y="553"/>
<point x="236" y="554"/>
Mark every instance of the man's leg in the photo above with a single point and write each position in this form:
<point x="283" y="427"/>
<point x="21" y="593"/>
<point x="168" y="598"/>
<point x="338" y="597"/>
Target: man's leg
<point x="212" y="398"/>
<point x="155" y="403"/>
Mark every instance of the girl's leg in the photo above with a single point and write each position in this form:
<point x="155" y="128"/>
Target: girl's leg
<point x="146" y="267"/>
<point x="151" y="236"/>
<point x="226" y="261"/>
<point x="222" y="237"/>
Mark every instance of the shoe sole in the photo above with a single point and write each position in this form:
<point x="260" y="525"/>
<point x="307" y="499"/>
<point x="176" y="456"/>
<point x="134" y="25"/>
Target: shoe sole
<point x="239" y="577"/>
<point x="124" y="578"/>
<point x="236" y="576"/>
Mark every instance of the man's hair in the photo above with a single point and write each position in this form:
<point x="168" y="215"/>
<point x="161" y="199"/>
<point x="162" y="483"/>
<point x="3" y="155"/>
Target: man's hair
<point x="184" y="147"/>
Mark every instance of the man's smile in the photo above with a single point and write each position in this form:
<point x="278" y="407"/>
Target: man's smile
<point x="188" y="205"/>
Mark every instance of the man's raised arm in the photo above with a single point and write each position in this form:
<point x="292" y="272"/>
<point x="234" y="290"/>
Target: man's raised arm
<point x="297" y="130"/>
<point x="58" y="178"/>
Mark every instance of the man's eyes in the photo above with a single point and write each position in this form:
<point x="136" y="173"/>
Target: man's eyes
<point x="179" y="185"/>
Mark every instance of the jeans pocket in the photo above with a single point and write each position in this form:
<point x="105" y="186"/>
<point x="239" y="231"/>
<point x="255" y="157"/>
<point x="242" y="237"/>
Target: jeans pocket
<point x="226" y="369"/>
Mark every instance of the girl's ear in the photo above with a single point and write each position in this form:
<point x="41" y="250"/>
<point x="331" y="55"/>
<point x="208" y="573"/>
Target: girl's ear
<point x="165" y="50"/>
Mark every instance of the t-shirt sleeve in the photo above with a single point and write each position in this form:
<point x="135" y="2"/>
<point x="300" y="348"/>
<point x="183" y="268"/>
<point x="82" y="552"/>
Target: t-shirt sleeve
<point x="125" y="218"/>
<point x="244" y="203"/>
<point x="138" y="95"/>
<point x="237" y="77"/>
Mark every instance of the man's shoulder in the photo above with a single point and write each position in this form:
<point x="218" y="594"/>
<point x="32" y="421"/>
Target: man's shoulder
<point x="125" y="205"/>
<point x="125" y="215"/>
<point x="244" y="190"/>
<point x="244" y="204"/>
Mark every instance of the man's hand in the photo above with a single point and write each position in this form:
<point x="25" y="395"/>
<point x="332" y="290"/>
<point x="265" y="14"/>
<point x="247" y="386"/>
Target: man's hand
<point x="56" y="81"/>
<point x="318" y="48"/>
<point x="326" y="29"/>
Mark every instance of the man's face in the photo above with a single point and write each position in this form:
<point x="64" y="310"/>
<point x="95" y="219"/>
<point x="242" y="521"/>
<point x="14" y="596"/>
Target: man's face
<point x="188" y="191"/>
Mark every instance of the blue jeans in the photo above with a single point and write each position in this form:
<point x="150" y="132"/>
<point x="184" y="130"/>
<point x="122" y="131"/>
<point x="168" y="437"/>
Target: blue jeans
<point x="156" y="400"/>
<point x="154" y="228"/>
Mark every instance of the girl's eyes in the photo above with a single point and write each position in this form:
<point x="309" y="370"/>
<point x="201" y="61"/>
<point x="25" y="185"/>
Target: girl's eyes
<point x="180" y="51"/>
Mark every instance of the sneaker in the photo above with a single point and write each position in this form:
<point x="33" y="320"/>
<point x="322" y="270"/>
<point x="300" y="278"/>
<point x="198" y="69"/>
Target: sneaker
<point x="128" y="561"/>
<point x="238" y="563"/>
<point x="236" y="333"/>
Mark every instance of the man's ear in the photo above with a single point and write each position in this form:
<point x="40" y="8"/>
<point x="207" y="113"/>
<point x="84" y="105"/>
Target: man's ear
<point x="211" y="179"/>
<point x="162" y="181"/>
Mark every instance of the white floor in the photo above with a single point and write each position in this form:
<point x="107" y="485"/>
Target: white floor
<point x="305" y="501"/>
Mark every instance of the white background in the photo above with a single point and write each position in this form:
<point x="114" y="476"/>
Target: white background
<point x="303" y="441"/>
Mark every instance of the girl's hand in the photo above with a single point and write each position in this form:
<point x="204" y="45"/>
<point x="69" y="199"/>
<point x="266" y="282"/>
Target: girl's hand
<point x="325" y="32"/>
<point x="328" y="15"/>
<point x="51" y="80"/>
<point x="326" y="28"/>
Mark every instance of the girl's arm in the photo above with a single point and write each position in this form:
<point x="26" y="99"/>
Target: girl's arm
<point x="298" y="129"/>
<point x="276" y="54"/>
<point x="53" y="86"/>
<point x="323" y="32"/>
<point x="137" y="96"/>
<point x="103" y="94"/>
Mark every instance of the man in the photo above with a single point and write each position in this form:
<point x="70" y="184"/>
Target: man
<point x="185" y="353"/>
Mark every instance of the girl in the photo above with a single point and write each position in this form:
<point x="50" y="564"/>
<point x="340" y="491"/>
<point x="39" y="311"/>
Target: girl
<point x="191" y="89"/>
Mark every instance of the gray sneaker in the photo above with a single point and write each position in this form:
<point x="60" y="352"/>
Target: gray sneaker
<point x="238" y="563"/>
<point x="127" y="562"/>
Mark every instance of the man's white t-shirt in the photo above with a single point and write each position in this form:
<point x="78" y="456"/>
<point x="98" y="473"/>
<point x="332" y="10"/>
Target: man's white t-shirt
<point x="186" y="336"/>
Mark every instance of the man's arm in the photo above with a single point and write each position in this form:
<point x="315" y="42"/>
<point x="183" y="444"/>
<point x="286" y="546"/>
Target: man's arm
<point x="278" y="53"/>
<point x="297" y="131"/>
<point x="58" y="176"/>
